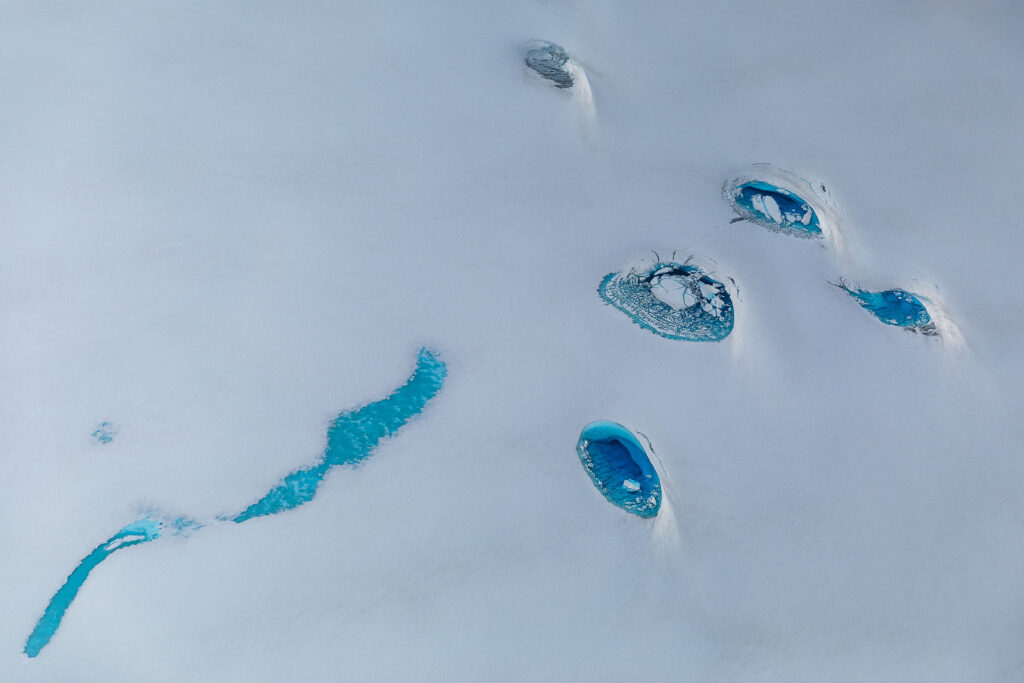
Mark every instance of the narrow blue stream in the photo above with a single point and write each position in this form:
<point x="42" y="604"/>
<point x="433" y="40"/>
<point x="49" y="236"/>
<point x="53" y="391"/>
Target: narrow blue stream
<point x="142" y="531"/>
<point x="351" y="438"/>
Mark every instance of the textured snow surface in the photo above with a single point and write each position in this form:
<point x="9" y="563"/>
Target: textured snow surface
<point x="220" y="222"/>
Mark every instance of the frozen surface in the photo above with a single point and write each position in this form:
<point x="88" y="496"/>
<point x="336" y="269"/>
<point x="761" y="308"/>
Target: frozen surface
<point x="550" y="61"/>
<point x="673" y="300"/>
<point x="222" y="222"/>
<point x="620" y="468"/>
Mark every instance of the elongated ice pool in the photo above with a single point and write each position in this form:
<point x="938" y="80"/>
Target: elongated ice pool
<point x="351" y="439"/>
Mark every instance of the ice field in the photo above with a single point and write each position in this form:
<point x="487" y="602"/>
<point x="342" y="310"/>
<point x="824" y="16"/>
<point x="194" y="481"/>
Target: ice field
<point x="511" y="341"/>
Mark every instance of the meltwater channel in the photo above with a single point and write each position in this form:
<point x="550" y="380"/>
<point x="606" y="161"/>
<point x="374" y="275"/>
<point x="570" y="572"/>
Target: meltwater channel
<point x="351" y="439"/>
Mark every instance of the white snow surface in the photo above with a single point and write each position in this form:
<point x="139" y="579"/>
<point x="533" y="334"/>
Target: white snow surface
<point x="223" y="223"/>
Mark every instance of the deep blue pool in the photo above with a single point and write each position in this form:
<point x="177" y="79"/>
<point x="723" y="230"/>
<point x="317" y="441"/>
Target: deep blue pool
<point x="351" y="438"/>
<point x="674" y="300"/>
<point x="776" y="208"/>
<point x="619" y="467"/>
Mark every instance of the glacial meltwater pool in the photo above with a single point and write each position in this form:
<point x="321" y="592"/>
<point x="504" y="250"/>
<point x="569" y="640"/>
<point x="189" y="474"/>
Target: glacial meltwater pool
<point x="775" y="207"/>
<point x="620" y="468"/>
<point x="894" y="307"/>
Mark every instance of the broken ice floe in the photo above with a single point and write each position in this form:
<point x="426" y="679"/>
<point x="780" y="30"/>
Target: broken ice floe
<point x="777" y="208"/>
<point x="894" y="307"/>
<point x="674" y="300"/>
<point x="781" y="201"/>
<point x="550" y="61"/>
<point x="620" y="467"/>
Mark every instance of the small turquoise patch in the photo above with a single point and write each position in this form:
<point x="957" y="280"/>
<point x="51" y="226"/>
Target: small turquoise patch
<point x="105" y="432"/>
<point x="141" y="531"/>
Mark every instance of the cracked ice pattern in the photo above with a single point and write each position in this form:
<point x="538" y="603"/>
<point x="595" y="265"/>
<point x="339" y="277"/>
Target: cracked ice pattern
<point x="674" y="300"/>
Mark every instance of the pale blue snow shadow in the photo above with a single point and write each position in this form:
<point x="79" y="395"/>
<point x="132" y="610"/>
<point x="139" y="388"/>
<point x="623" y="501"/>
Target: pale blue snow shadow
<point x="351" y="438"/>
<point x="775" y="208"/>
<point x="549" y="60"/>
<point x="674" y="300"/>
<point x="105" y="432"/>
<point x="620" y="468"/>
<point x="894" y="307"/>
<point x="141" y="531"/>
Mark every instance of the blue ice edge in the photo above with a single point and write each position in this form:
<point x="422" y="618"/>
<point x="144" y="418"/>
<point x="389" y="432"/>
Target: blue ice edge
<point x="673" y="300"/>
<point x="894" y="307"/>
<point x="776" y="208"/>
<point x="351" y="438"/>
<point x="620" y="468"/>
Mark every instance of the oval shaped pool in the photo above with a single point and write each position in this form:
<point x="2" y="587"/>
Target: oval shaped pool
<point x="619" y="467"/>
<point x="673" y="300"/>
<point x="774" y="207"/>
